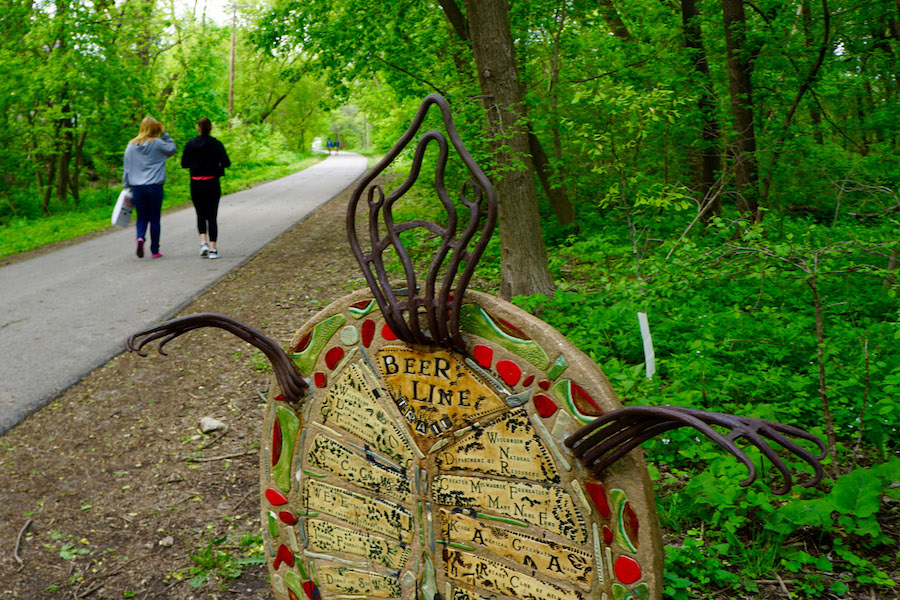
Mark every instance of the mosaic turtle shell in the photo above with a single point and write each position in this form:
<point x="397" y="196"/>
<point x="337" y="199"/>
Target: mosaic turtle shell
<point x="421" y="472"/>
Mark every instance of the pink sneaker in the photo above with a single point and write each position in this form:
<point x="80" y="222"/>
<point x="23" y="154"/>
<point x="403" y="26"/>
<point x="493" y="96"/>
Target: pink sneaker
<point x="140" y="247"/>
<point x="157" y="255"/>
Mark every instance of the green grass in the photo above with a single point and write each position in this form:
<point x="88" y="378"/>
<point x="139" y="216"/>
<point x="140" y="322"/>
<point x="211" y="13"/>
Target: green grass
<point x="23" y="234"/>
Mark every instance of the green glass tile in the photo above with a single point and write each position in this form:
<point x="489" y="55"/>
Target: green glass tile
<point x="290" y="425"/>
<point x="321" y="334"/>
<point x="558" y="367"/>
<point x="473" y="319"/>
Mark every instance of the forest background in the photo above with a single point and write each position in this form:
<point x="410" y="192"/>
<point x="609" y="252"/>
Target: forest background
<point x="729" y="168"/>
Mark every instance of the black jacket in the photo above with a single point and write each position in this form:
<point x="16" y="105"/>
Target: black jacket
<point x="205" y="156"/>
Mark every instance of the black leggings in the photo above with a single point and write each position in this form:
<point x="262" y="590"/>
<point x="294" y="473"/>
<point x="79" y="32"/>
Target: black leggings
<point x="205" y="195"/>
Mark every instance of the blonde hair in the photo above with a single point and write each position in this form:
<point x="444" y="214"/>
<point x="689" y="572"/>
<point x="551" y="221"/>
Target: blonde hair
<point x="150" y="128"/>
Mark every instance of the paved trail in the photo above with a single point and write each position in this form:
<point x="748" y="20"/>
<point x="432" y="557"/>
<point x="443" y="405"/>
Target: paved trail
<point x="65" y="313"/>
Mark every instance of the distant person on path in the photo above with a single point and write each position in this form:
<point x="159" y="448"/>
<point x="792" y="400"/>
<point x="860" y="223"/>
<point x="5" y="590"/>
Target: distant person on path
<point x="337" y="146"/>
<point x="144" y="171"/>
<point x="328" y="145"/>
<point x="205" y="156"/>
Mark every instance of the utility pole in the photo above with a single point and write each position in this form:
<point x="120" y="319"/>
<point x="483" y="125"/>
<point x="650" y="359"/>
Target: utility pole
<point x="233" y="8"/>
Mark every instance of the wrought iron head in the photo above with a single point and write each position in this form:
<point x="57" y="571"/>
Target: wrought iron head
<point x="438" y="302"/>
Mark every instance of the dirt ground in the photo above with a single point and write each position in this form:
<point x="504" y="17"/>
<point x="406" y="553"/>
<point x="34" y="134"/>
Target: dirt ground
<point x="110" y="490"/>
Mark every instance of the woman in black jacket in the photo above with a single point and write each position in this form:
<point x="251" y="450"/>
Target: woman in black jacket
<point x="205" y="156"/>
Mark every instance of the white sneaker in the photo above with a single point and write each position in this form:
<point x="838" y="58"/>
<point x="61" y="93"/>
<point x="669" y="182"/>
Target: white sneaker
<point x="213" y="254"/>
<point x="204" y="249"/>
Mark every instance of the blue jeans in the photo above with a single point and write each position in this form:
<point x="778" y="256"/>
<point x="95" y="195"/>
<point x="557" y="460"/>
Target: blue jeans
<point x="147" y="200"/>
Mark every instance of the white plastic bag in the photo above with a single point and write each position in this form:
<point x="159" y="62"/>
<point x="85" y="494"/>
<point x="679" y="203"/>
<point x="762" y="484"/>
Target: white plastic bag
<point x="121" y="214"/>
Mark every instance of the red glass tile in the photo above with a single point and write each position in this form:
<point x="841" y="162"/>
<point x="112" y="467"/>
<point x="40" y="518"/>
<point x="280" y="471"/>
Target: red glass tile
<point x="368" y="332"/>
<point x="285" y="556"/>
<point x="288" y="517"/>
<point x="387" y="333"/>
<point x="607" y="535"/>
<point x="320" y="379"/>
<point x="509" y="371"/>
<point x="275" y="497"/>
<point x="276" y="441"/>
<point x="583" y="402"/>
<point x="545" y="406"/>
<point x="303" y="343"/>
<point x="484" y="355"/>
<point x="544" y="384"/>
<point x="312" y="590"/>
<point x="630" y="523"/>
<point x="627" y="569"/>
<point x="598" y="496"/>
<point x="528" y="380"/>
<point x="361" y="304"/>
<point x="280" y="398"/>
<point x="333" y="356"/>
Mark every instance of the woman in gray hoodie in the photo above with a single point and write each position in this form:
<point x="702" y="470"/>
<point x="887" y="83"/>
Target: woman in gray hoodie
<point x="144" y="171"/>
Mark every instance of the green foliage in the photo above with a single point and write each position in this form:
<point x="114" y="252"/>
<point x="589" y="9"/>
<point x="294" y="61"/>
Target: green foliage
<point x="215" y="561"/>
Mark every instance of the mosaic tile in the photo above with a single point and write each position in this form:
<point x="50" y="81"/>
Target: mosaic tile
<point x="627" y="526"/>
<point x="285" y="556"/>
<point x="546" y="506"/>
<point x="342" y="580"/>
<point x="320" y="379"/>
<point x="545" y="406"/>
<point x="607" y="535"/>
<point x="483" y="355"/>
<point x="548" y="558"/>
<point x="641" y="591"/>
<point x="362" y="308"/>
<point x="436" y="392"/>
<point x="329" y="537"/>
<point x="323" y="332"/>
<point x="289" y="426"/>
<point x="294" y="584"/>
<point x="544" y="384"/>
<point x="598" y="496"/>
<point x="379" y="516"/>
<point x="272" y="523"/>
<point x="287" y="517"/>
<point x="349" y="335"/>
<point x="333" y="357"/>
<point x="330" y="455"/>
<point x="387" y="333"/>
<point x="275" y="498"/>
<point x="509" y="371"/>
<point x="429" y="580"/>
<point x="559" y="365"/>
<point x="351" y="404"/>
<point x="473" y="570"/>
<point x="475" y="320"/>
<point x="627" y="569"/>
<point x="368" y="332"/>
<point x="579" y="404"/>
<point x="528" y="381"/>
<point x="509" y="447"/>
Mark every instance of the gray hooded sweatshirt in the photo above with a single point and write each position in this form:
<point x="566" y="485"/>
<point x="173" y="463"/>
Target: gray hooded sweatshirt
<point x="145" y="164"/>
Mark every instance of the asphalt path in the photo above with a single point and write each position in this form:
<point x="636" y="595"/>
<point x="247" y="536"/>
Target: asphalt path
<point x="64" y="313"/>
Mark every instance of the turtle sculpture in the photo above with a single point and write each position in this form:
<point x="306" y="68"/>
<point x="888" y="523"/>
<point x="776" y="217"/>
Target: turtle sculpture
<point x="440" y="443"/>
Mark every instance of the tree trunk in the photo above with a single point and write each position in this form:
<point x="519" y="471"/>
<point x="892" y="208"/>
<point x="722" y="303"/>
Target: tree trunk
<point x="739" y="70"/>
<point x="814" y="115"/>
<point x="711" y="152"/>
<point x="524" y="267"/>
<point x="614" y="20"/>
<point x="559" y="199"/>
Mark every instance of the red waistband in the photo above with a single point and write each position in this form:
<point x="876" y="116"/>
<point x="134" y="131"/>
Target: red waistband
<point x="203" y="178"/>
